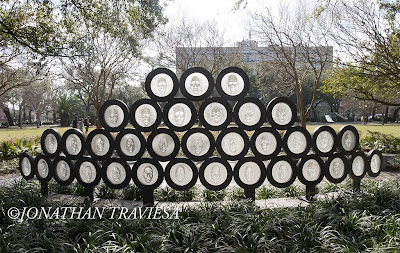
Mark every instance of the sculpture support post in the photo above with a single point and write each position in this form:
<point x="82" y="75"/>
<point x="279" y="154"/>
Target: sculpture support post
<point x="88" y="192"/>
<point x="250" y="193"/>
<point x="356" y="185"/>
<point x="44" y="189"/>
<point x="148" y="198"/>
<point x="311" y="190"/>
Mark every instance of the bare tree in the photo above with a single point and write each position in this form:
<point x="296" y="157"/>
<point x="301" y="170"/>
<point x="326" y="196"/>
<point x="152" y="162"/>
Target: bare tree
<point x="103" y="63"/>
<point x="296" y="44"/>
<point x="194" y="44"/>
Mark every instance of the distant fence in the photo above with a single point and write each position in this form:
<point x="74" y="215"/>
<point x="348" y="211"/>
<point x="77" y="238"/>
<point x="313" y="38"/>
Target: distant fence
<point x="259" y="151"/>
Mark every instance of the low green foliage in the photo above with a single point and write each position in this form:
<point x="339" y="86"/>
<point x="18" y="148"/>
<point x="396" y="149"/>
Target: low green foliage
<point x="13" y="148"/>
<point x="210" y="195"/>
<point x="171" y="195"/>
<point x="386" y="143"/>
<point x="368" y="221"/>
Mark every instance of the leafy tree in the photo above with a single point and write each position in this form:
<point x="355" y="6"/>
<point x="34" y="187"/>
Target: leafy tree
<point x="67" y="106"/>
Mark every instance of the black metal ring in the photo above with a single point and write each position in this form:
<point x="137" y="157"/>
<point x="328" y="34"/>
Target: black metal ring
<point x="283" y="161"/>
<point x="329" y="162"/>
<point x="141" y="141"/>
<point x="105" y="174"/>
<point x="72" y="171"/>
<point x="148" y="174"/>
<point x="237" y="173"/>
<point x="270" y="107"/>
<point x="264" y="142"/>
<point x="87" y="161"/>
<point x="315" y="137"/>
<point x="220" y="139"/>
<point x="301" y="173"/>
<point x="358" y="176"/>
<point x="47" y="159"/>
<point x="79" y="136"/>
<point x="342" y="138"/>
<point x="192" y="155"/>
<point x="142" y="106"/>
<point x="232" y="71"/>
<point x="181" y="174"/>
<point x="163" y="145"/>
<point x="119" y="125"/>
<point x="176" y="107"/>
<point x="94" y="153"/>
<point x="30" y="160"/>
<point x="370" y="155"/>
<point x="249" y="113"/>
<point x="307" y="141"/>
<point x="153" y="74"/>
<point x="56" y="140"/>
<point x="215" y="113"/>
<point x="201" y="71"/>
<point x="224" y="163"/>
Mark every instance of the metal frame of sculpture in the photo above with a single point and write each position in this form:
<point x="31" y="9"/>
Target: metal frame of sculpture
<point x="280" y="160"/>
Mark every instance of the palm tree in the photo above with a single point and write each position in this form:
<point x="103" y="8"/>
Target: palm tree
<point x="66" y="106"/>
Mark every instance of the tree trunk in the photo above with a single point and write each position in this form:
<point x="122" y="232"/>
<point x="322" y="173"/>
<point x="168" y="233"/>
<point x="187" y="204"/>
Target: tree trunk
<point x="385" y="119"/>
<point x="30" y="116"/>
<point x="54" y="117"/>
<point x="8" y="115"/>
<point x="395" y="114"/>
<point x="20" y="116"/>
<point x="24" y="116"/>
<point x="37" y="120"/>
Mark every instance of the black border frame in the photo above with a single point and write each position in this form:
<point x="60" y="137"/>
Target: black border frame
<point x="152" y="74"/>
<point x="117" y="144"/>
<point x="49" y="164"/>
<point x="133" y="111"/>
<point x="271" y="164"/>
<point x="242" y="133"/>
<point x="103" y="109"/>
<point x="156" y="164"/>
<point x="173" y="102"/>
<point x="370" y="154"/>
<point x="291" y="105"/>
<point x="229" y="176"/>
<point x="31" y="160"/>
<point x="225" y="104"/>
<point x="314" y="136"/>
<point x="168" y="176"/>
<point x="255" y="101"/>
<point x="200" y="70"/>
<point x="328" y="164"/>
<point x="300" y="167"/>
<point x="150" y="141"/>
<point x="80" y="135"/>
<point x="285" y="138"/>
<point x="71" y="167"/>
<point x="58" y="138"/>
<point x="260" y="180"/>
<point x="339" y="139"/>
<point x="240" y="72"/>
<point x="186" y="137"/>
<point x="366" y="165"/>
<point x="96" y="166"/>
<point x="128" y="173"/>
<point x="89" y="139"/>
<point x="259" y="131"/>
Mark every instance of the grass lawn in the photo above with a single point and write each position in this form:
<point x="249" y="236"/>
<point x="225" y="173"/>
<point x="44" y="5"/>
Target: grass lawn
<point x="16" y="133"/>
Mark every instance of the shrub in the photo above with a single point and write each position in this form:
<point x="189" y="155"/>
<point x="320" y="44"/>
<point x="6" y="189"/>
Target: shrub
<point x="386" y="143"/>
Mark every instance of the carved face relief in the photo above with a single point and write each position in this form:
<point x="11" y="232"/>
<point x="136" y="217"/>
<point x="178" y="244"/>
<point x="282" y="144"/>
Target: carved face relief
<point x="336" y="168"/>
<point x="233" y="145"/>
<point x="163" y="145"/>
<point x="198" y="145"/>
<point x="26" y="166"/>
<point x="74" y="144"/>
<point x="282" y="172"/>
<point x="311" y="170"/>
<point x="249" y="115"/>
<point x="162" y="85"/>
<point x="215" y="173"/>
<point x="148" y="174"/>
<point x="216" y="114"/>
<point x="51" y="143"/>
<point x="100" y="144"/>
<point x="375" y="163"/>
<point x="116" y="174"/>
<point x="180" y="173"/>
<point x="232" y="84"/>
<point x="358" y="166"/>
<point x="297" y="142"/>
<point x="63" y="171"/>
<point x="265" y="143"/>
<point x="88" y="174"/>
<point x="145" y="114"/>
<point x="179" y="115"/>
<point x="43" y="168"/>
<point x="195" y="85"/>
<point x="130" y="145"/>
<point x="114" y="115"/>
<point x="249" y="174"/>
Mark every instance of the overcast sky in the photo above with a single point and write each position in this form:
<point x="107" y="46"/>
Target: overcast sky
<point x="233" y="22"/>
